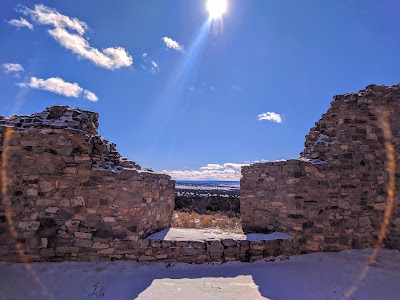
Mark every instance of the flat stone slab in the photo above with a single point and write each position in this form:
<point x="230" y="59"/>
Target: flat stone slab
<point x="209" y="234"/>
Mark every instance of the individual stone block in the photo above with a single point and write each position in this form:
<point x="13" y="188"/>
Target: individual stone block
<point x="77" y="201"/>
<point x="28" y="226"/>
<point x="83" y="235"/>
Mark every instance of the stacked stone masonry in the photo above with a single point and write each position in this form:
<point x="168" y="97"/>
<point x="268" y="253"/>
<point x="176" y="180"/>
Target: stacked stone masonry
<point x="68" y="193"/>
<point x="334" y="196"/>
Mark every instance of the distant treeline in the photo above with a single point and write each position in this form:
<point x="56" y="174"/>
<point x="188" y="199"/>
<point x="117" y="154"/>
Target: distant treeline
<point x="203" y="204"/>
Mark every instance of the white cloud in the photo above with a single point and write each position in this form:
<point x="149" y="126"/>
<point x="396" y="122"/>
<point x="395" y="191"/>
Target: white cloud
<point x="270" y="116"/>
<point x="90" y="96"/>
<point x="233" y="166"/>
<point x="227" y="171"/>
<point x="9" y="67"/>
<point x="212" y="167"/>
<point x="154" y="67"/>
<point x="170" y="43"/>
<point x="59" y="86"/>
<point x="149" y="65"/>
<point x="109" y="58"/>
<point x="44" y="15"/>
<point x="20" y="23"/>
<point x="55" y="85"/>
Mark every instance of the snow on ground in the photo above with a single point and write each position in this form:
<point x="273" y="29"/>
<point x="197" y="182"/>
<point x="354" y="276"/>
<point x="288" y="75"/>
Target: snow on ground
<point x="207" y="234"/>
<point x="319" y="276"/>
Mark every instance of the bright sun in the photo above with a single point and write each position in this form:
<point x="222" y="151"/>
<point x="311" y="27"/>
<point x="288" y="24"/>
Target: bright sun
<point x="216" y="8"/>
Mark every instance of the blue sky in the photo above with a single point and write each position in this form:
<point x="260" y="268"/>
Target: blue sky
<point x="174" y="94"/>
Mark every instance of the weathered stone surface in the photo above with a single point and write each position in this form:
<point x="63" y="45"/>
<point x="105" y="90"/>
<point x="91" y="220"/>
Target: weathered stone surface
<point x="229" y="242"/>
<point x="74" y="197"/>
<point x="70" y="191"/>
<point x="83" y="235"/>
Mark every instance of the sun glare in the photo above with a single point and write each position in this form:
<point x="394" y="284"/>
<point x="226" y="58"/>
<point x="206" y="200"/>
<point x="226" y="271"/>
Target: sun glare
<point x="216" y="8"/>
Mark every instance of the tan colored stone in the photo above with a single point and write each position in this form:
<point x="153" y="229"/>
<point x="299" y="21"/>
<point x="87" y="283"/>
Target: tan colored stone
<point x="107" y="251"/>
<point x="312" y="246"/>
<point x="72" y="225"/>
<point x="46" y="186"/>
<point x="78" y="217"/>
<point x="97" y="245"/>
<point x="34" y="216"/>
<point x="52" y="209"/>
<point x="77" y="201"/>
<point x="131" y="257"/>
<point x="65" y="203"/>
<point x="44" y="243"/>
<point x="83" y="235"/>
<point x="380" y="206"/>
<point x="344" y="205"/>
<point x="31" y="192"/>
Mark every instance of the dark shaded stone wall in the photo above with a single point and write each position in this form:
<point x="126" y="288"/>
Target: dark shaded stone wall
<point x="334" y="196"/>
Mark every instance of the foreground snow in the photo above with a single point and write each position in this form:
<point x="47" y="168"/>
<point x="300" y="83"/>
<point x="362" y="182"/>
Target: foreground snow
<point x="313" y="276"/>
<point x="207" y="234"/>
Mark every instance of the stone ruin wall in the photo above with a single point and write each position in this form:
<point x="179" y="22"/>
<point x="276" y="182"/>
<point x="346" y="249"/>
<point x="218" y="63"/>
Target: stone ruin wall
<point x="334" y="196"/>
<point x="69" y="193"/>
<point x="71" y="196"/>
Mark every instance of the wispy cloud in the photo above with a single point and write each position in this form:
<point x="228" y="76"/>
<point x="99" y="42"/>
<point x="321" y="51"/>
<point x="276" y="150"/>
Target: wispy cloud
<point x="154" y="67"/>
<point x="200" y="88"/>
<point x="170" y="43"/>
<point x="90" y="96"/>
<point x="149" y="65"/>
<point x="20" y="23"/>
<point x="270" y="116"/>
<point x="226" y="171"/>
<point x="10" y="67"/>
<point x="109" y="58"/>
<point x="59" y="86"/>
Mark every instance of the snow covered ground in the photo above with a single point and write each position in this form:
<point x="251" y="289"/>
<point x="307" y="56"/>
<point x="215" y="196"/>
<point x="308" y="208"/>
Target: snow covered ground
<point x="207" y="234"/>
<point x="319" y="276"/>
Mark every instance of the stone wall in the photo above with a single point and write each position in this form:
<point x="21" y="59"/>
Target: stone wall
<point x="334" y="196"/>
<point x="179" y="251"/>
<point x="69" y="193"/>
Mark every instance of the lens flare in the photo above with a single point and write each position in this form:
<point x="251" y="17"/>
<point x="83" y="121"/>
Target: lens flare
<point x="216" y="8"/>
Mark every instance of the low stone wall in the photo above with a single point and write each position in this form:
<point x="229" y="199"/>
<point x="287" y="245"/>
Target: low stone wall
<point x="334" y="196"/>
<point x="172" y="251"/>
<point x="67" y="191"/>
